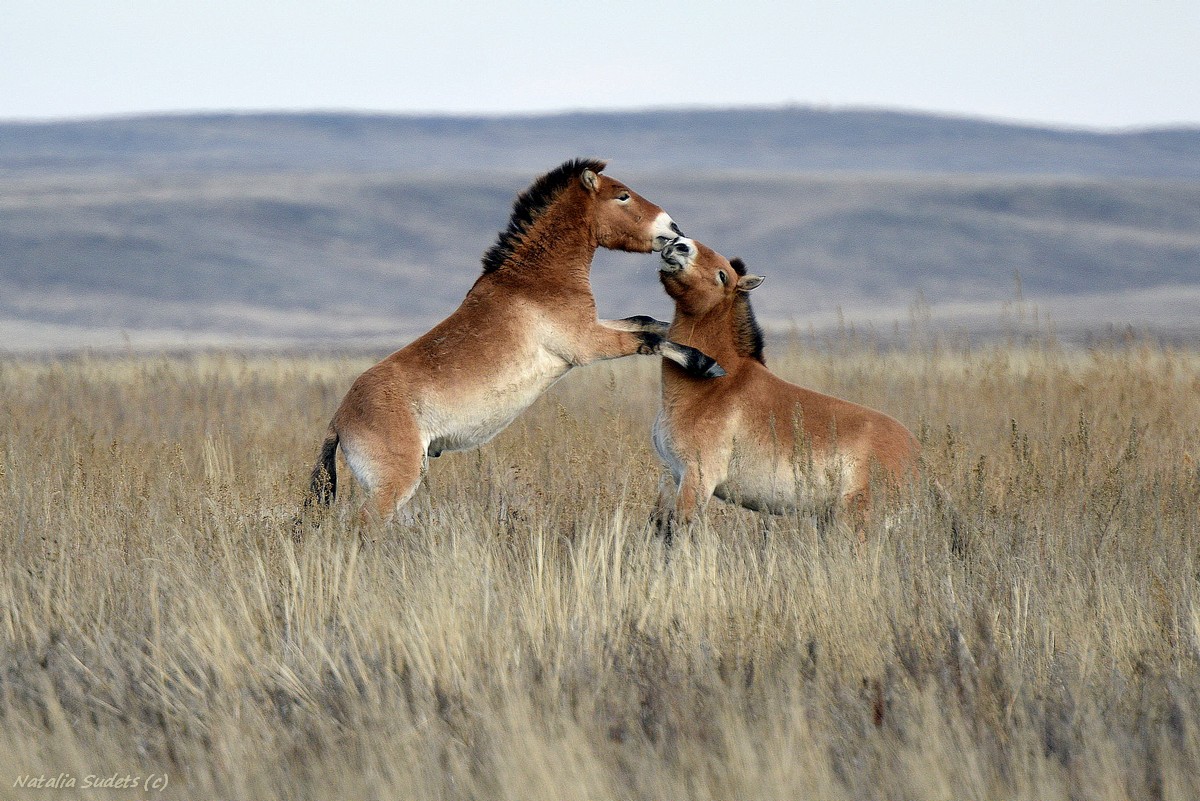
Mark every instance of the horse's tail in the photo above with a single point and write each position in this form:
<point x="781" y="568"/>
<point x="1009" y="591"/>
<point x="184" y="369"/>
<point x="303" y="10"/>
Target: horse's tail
<point x="941" y="498"/>
<point x="323" y="484"/>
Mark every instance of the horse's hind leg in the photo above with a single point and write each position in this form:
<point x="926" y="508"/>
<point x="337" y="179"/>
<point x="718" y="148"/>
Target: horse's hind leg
<point x="390" y="465"/>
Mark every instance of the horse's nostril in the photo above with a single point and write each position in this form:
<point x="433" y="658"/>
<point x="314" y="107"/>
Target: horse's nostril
<point x="675" y="228"/>
<point x="681" y="248"/>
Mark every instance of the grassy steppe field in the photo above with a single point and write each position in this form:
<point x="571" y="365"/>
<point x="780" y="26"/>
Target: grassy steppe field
<point x="522" y="636"/>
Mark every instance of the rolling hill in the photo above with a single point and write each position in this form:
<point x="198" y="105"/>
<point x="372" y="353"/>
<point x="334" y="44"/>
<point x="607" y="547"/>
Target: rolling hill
<point x="328" y="230"/>
<point x="796" y="139"/>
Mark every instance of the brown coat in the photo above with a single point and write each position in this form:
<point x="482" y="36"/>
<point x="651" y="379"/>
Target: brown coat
<point x="751" y="437"/>
<point x="528" y="319"/>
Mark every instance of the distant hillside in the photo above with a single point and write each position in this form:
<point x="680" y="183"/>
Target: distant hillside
<point x="329" y="259"/>
<point x="329" y="229"/>
<point x="785" y="140"/>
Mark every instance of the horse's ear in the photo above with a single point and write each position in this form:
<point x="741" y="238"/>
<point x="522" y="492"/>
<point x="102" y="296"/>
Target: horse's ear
<point x="749" y="282"/>
<point x="590" y="181"/>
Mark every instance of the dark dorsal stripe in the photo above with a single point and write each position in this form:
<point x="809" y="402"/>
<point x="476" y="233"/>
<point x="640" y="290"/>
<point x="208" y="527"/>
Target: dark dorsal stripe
<point x="531" y="203"/>
<point x="746" y="332"/>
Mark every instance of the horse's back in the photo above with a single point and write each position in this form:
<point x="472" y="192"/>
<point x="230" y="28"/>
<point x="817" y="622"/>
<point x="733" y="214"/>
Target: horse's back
<point x="782" y="428"/>
<point x="864" y="433"/>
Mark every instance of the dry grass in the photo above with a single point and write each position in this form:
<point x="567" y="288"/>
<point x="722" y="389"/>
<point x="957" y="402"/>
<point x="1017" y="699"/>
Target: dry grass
<point x="524" y="637"/>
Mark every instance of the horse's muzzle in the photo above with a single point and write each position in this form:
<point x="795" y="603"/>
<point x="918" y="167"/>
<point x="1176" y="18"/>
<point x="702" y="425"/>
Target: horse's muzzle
<point x="664" y="239"/>
<point x="674" y="255"/>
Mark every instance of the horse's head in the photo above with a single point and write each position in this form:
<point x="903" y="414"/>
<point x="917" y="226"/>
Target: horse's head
<point x="624" y="220"/>
<point x="700" y="279"/>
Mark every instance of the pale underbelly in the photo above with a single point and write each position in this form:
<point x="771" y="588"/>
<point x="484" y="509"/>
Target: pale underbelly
<point x="468" y="417"/>
<point x="784" y="486"/>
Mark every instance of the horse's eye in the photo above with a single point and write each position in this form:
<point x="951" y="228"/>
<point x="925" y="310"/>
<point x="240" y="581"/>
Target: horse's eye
<point x="722" y="277"/>
<point x="623" y="197"/>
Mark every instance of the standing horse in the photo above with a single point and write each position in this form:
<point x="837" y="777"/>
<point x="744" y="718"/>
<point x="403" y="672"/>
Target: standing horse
<point x="528" y="319"/>
<point x="751" y="437"/>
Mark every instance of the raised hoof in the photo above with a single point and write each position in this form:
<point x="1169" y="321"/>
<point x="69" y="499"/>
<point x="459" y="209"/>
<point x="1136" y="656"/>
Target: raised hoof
<point x="695" y="362"/>
<point x="704" y="366"/>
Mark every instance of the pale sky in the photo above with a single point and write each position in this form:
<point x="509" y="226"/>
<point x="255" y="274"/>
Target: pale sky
<point x="1097" y="63"/>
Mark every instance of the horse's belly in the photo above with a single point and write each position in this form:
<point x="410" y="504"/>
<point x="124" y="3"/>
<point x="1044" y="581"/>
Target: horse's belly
<point x="471" y="416"/>
<point x="783" y="487"/>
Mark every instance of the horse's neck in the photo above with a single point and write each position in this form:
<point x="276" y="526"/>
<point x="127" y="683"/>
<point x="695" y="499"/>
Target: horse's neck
<point x="557" y="248"/>
<point x="712" y="334"/>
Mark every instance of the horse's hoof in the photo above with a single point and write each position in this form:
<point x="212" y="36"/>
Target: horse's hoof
<point x="702" y="365"/>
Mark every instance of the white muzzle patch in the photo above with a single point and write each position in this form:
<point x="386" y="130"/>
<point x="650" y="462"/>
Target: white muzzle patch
<point x="664" y="230"/>
<point x="678" y="254"/>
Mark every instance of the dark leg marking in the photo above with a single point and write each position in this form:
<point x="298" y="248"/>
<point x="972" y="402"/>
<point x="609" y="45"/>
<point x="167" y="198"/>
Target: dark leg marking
<point x="663" y="525"/>
<point x="651" y="343"/>
<point x="702" y="364"/>
<point x="695" y="362"/>
<point x="643" y="322"/>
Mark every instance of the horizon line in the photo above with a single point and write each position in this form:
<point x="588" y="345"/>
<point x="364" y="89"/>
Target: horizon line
<point x="818" y="108"/>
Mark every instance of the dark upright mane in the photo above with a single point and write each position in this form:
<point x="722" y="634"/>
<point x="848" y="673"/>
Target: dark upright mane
<point x="746" y="332"/>
<point x="531" y="203"/>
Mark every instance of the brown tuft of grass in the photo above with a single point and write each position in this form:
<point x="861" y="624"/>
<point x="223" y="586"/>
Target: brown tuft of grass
<point x="522" y="635"/>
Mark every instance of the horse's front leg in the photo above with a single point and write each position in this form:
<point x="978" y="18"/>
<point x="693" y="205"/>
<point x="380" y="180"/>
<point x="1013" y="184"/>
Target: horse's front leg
<point x="639" y="322"/>
<point x="662" y="519"/>
<point x="697" y="484"/>
<point x="691" y="497"/>
<point x="606" y="341"/>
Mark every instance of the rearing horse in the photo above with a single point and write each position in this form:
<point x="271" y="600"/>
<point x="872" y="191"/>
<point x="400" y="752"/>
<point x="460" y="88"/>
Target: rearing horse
<point x="528" y="319"/>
